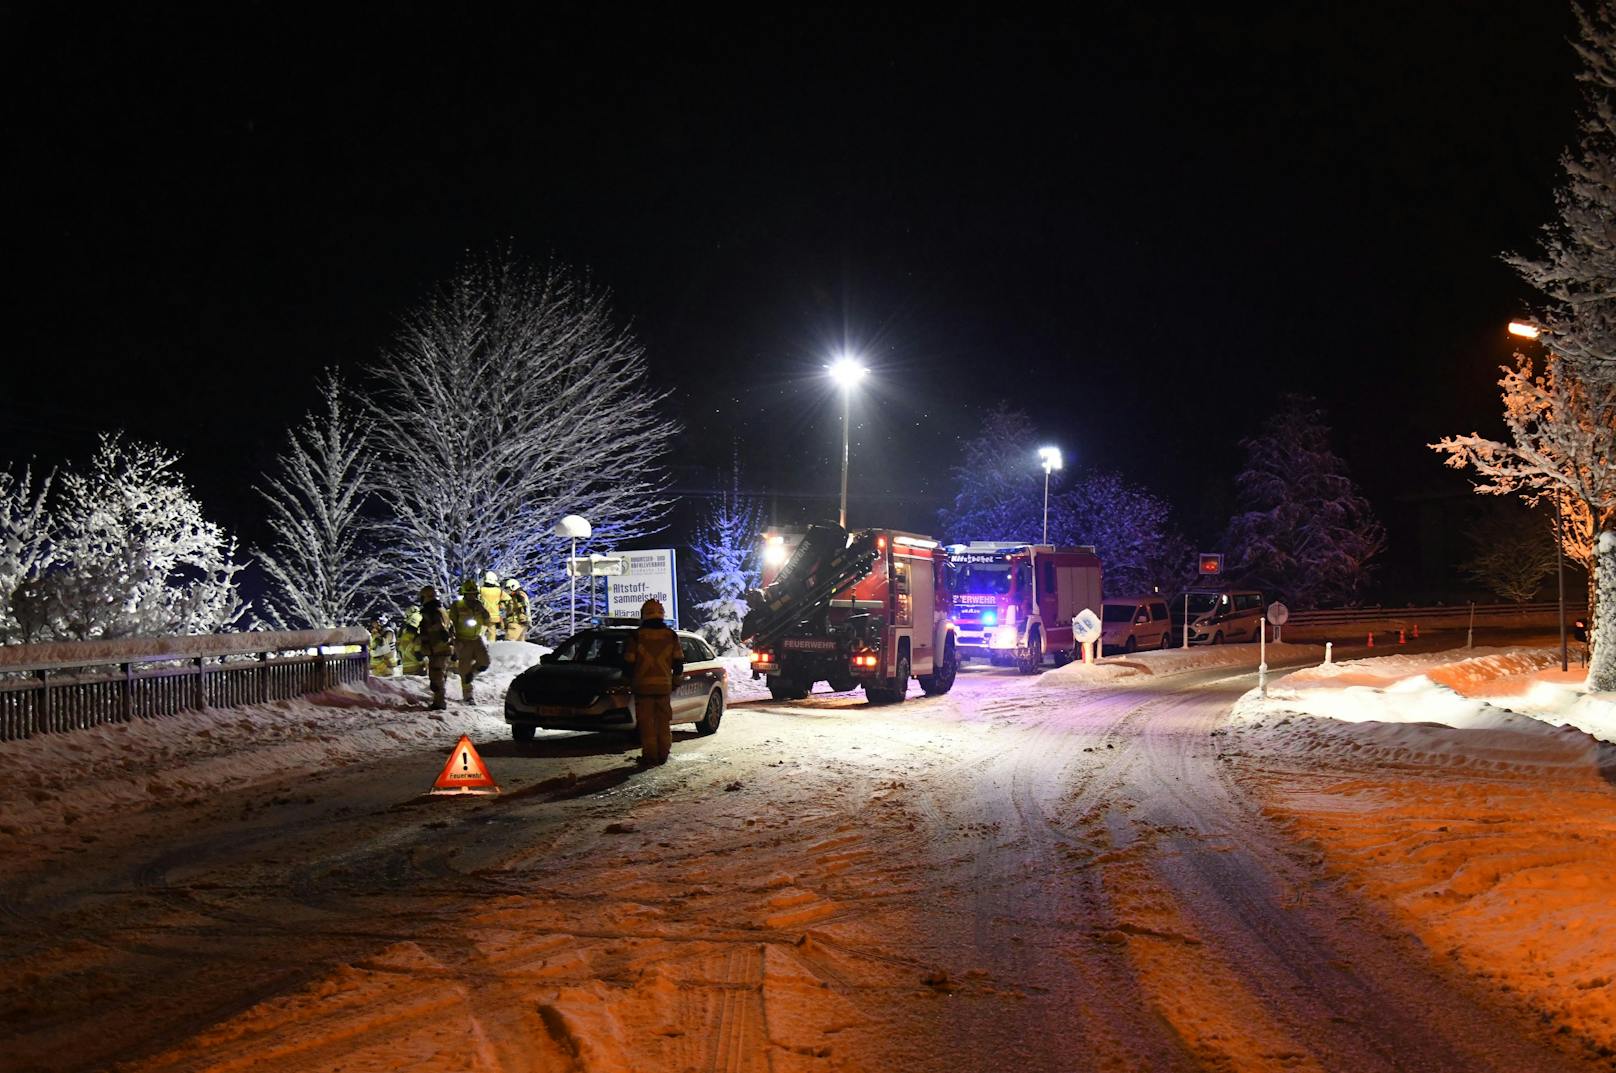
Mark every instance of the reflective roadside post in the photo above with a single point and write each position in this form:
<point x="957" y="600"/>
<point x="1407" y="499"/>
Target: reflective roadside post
<point x="575" y="529"/>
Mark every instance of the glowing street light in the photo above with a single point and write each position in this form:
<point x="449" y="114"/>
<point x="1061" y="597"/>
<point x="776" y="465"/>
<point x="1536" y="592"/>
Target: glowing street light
<point x="847" y="372"/>
<point x="1051" y="458"/>
<point x="574" y="528"/>
<point x="1524" y="329"/>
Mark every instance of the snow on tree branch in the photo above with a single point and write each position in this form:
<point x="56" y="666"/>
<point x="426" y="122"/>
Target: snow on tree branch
<point x="322" y="565"/>
<point x="727" y="552"/>
<point x="26" y="532"/>
<point x="508" y="400"/>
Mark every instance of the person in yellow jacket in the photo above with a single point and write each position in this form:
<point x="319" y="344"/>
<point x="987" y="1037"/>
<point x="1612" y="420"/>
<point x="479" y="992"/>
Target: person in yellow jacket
<point x="383" y="649"/>
<point x="471" y="625"/>
<point x="514" y="610"/>
<point x="492" y="596"/>
<point x="409" y="642"/>
<point x="655" y="664"/>
<point x="435" y="641"/>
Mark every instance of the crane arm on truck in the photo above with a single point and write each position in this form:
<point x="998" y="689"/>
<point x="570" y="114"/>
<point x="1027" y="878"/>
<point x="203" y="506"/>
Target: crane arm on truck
<point x="824" y="564"/>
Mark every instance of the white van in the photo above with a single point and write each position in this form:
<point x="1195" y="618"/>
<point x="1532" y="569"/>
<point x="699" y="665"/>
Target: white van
<point x="1127" y="625"/>
<point x="1216" y="617"/>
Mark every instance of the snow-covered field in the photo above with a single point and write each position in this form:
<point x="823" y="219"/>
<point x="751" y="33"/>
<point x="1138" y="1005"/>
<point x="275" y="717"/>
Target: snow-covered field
<point x="1467" y="792"/>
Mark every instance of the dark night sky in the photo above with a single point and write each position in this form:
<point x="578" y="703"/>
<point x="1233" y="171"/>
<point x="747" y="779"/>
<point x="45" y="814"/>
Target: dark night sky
<point x="1142" y="227"/>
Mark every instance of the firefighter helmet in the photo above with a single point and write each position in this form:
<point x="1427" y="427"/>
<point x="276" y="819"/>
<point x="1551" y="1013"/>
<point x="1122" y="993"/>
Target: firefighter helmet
<point x="651" y="609"/>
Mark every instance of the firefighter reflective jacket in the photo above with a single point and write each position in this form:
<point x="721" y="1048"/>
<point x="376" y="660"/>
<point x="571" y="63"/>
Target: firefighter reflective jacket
<point x="654" y="659"/>
<point x="435" y="638"/>
<point x="492" y="597"/>
<point x="470" y="618"/>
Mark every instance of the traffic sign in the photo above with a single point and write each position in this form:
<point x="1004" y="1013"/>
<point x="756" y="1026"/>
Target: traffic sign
<point x="1086" y="626"/>
<point x="1210" y="564"/>
<point x="1278" y="613"/>
<point x="465" y="773"/>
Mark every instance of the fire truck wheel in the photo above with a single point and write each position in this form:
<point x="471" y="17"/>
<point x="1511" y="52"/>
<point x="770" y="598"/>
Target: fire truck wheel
<point x="942" y="680"/>
<point x="708" y="723"/>
<point x="843" y="685"/>
<point x="782" y="688"/>
<point x="1034" y="660"/>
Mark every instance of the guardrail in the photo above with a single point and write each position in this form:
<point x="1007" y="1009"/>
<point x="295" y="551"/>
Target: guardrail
<point x="1441" y="616"/>
<point x="54" y="688"/>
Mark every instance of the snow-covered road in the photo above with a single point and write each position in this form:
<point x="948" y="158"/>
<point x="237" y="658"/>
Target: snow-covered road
<point x="1060" y="873"/>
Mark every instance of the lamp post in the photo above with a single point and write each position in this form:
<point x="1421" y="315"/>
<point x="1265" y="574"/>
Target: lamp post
<point x="1527" y="330"/>
<point x="1051" y="458"/>
<point x="574" y="528"/>
<point x="846" y="372"/>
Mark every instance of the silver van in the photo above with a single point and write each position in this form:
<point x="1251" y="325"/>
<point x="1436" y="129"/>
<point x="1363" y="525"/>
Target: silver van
<point x="1218" y="616"/>
<point x="1127" y="625"/>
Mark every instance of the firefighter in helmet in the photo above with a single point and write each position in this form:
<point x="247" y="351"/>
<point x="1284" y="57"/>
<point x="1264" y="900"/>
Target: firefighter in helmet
<point x="514" y="608"/>
<point x="471" y="625"/>
<point x="435" y="641"/>
<point x="409" y="642"/>
<point x="656" y="663"/>
<point x="383" y="649"/>
<point x="492" y="597"/>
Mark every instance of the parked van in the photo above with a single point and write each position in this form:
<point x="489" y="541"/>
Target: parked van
<point x="1218" y="616"/>
<point x="1127" y="625"/>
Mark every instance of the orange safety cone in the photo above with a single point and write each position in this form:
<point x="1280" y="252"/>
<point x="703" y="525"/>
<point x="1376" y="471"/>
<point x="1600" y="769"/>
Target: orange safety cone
<point x="1371" y="638"/>
<point x="1400" y="637"/>
<point x="1416" y="631"/>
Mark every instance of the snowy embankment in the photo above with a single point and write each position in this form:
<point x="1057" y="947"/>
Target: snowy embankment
<point x="1237" y="658"/>
<point x="1468" y="793"/>
<point x="184" y="759"/>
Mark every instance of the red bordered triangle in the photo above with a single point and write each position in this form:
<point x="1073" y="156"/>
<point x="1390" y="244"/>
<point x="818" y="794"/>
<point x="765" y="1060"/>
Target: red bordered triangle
<point x="465" y="773"/>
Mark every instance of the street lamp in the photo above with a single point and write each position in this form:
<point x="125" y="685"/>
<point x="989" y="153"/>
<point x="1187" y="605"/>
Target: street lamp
<point x="576" y="529"/>
<point x="1051" y="458"/>
<point x="846" y="371"/>
<point x="1528" y="330"/>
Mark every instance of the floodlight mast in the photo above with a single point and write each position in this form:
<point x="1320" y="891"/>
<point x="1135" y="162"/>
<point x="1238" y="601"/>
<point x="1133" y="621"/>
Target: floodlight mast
<point x="1051" y="459"/>
<point x="847" y="372"/>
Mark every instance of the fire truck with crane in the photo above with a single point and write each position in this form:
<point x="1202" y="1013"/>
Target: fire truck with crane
<point x="867" y="608"/>
<point x="1014" y="603"/>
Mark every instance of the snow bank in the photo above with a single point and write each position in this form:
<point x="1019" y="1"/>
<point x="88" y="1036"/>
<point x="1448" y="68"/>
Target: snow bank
<point x="186" y="758"/>
<point x="1467" y="689"/>
<point x="1170" y="661"/>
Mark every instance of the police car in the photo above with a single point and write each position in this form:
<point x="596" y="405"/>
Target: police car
<point x="583" y="685"/>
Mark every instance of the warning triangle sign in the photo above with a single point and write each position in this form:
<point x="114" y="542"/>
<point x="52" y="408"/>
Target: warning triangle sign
<point x="465" y="773"/>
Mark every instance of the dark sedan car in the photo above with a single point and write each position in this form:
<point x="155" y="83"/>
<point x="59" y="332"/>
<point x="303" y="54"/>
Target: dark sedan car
<point x="583" y="685"/>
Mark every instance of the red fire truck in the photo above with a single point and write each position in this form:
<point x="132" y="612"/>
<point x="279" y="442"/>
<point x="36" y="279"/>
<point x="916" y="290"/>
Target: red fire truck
<point x="1014" y="603"/>
<point x="868" y="608"/>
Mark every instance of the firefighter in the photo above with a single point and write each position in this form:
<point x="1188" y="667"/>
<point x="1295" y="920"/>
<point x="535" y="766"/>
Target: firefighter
<point x="435" y="640"/>
<point x="515" y="611"/>
<point x="656" y="663"/>
<point x="471" y="626"/>
<point x="492" y="597"/>
<point x="383" y="649"/>
<point x="409" y="642"/>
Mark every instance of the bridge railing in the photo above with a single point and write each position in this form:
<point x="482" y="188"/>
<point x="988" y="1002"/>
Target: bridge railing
<point x="1440" y="616"/>
<point x="53" y="688"/>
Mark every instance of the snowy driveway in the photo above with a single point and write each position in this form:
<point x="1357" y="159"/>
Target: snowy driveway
<point x="1030" y="874"/>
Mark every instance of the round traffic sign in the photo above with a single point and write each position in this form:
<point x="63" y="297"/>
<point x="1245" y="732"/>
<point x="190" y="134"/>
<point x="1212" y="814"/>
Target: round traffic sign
<point x="1278" y="613"/>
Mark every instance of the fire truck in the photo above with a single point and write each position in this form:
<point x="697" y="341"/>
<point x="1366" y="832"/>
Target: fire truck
<point x="867" y="608"/>
<point x="1014" y="603"/>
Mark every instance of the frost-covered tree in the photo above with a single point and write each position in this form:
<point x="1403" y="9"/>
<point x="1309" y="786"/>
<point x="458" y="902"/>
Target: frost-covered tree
<point x="322" y="565"/>
<point x="1560" y="409"/>
<point x="1302" y="530"/>
<point x="726" y="552"/>
<point x="1001" y="497"/>
<point x="1131" y="529"/>
<point x="26" y="529"/>
<point x="1513" y="554"/>
<point x="509" y="400"/>
<point x="132" y="553"/>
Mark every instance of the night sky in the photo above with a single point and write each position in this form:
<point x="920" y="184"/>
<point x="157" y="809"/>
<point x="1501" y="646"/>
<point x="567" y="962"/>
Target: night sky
<point x="1141" y="227"/>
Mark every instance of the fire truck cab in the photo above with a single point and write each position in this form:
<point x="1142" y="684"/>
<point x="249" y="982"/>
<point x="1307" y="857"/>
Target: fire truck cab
<point x="868" y="608"/>
<point x="1014" y="603"/>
